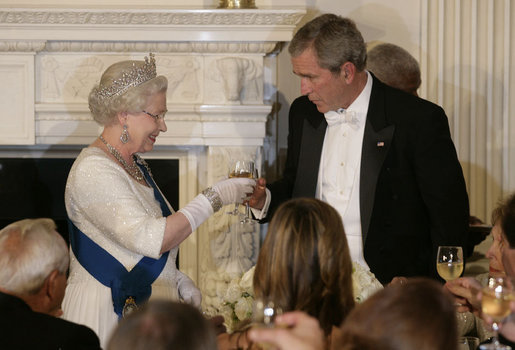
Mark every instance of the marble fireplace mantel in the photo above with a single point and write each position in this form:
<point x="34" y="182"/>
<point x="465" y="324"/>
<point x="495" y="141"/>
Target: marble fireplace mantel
<point x="217" y="65"/>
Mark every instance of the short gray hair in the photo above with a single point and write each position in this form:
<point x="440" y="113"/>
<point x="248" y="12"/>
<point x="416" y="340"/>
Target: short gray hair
<point x="104" y="110"/>
<point x="30" y="250"/>
<point x="334" y="39"/>
<point x="394" y="66"/>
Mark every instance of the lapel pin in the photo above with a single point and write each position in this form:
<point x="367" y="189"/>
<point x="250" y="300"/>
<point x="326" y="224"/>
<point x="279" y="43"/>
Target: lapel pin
<point x="380" y="144"/>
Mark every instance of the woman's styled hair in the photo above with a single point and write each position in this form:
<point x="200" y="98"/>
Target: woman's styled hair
<point x="125" y="87"/>
<point x="30" y="250"/>
<point x="418" y="314"/>
<point x="304" y="263"/>
<point x="507" y="218"/>
<point x="164" y="325"/>
<point x="334" y="40"/>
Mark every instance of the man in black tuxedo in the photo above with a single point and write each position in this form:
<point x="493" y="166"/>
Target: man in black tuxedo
<point x="383" y="158"/>
<point x="33" y="265"/>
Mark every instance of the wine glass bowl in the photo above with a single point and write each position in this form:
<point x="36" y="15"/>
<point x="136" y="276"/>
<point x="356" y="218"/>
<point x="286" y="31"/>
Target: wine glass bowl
<point x="495" y="303"/>
<point x="264" y="313"/>
<point x="449" y="262"/>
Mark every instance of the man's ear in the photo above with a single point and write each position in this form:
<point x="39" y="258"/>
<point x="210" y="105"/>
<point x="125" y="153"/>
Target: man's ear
<point x="51" y="285"/>
<point x="347" y="72"/>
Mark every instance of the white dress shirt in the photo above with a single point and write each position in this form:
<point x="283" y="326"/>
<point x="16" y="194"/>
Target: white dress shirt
<point x="339" y="173"/>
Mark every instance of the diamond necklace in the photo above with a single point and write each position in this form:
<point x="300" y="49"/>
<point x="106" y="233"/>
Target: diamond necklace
<point x="132" y="169"/>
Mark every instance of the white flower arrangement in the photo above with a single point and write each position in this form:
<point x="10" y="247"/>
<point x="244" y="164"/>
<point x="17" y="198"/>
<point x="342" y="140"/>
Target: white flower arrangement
<point x="364" y="282"/>
<point x="238" y="299"/>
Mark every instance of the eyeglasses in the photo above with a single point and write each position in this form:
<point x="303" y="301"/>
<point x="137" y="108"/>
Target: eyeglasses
<point x="156" y="116"/>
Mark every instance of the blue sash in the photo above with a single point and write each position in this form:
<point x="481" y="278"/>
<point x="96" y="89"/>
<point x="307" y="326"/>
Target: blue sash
<point x="108" y="271"/>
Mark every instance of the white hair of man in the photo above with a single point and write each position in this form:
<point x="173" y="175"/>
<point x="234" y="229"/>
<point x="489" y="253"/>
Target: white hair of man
<point x="30" y="250"/>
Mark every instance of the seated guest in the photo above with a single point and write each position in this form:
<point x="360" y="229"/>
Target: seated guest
<point x="33" y="265"/>
<point x="304" y="264"/>
<point x="466" y="289"/>
<point x="416" y="314"/>
<point x="394" y="66"/>
<point x="164" y="325"/>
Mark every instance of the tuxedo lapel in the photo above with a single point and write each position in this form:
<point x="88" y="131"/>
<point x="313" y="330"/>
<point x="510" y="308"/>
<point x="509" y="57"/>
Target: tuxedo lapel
<point x="313" y="134"/>
<point x="377" y="140"/>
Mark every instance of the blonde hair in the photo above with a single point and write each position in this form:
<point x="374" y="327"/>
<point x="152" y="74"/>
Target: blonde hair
<point x="305" y="264"/>
<point x="104" y="110"/>
<point x="30" y="250"/>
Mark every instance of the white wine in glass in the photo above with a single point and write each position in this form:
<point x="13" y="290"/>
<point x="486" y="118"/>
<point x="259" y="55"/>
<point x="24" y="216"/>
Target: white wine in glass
<point x="449" y="262"/>
<point x="495" y="302"/>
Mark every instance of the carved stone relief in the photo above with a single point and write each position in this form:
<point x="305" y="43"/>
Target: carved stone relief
<point x="235" y="80"/>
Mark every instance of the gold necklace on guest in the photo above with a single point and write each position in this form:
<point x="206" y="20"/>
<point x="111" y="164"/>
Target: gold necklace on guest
<point x="132" y="169"/>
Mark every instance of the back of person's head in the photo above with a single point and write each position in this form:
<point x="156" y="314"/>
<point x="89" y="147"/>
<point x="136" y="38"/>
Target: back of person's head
<point x="304" y="263"/>
<point x="164" y="325"/>
<point x="334" y="39"/>
<point x="415" y="315"/>
<point x="507" y="212"/>
<point x="30" y="250"/>
<point x="394" y="66"/>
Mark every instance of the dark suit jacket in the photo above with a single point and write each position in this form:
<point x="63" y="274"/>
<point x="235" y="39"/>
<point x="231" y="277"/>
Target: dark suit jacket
<point x="412" y="191"/>
<point x="21" y="328"/>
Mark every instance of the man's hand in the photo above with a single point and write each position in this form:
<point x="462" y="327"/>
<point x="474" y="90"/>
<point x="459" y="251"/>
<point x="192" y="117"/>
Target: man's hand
<point x="258" y="197"/>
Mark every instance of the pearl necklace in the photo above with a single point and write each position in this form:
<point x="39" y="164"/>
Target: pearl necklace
<point x="132" y="169"/>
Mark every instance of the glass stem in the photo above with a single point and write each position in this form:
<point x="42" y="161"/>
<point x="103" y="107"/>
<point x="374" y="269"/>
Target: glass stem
<point x="495" y="338"/>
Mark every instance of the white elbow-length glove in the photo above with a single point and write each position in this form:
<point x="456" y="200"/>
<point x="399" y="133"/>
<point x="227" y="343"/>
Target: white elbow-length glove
<point x="188" y="291"/>
<point x="224" y="192"/>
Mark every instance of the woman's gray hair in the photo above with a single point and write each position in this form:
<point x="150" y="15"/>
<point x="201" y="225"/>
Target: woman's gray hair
<point x="30" y="250"/>
<point x="104" y="110"/>
<point x="334" y="39"/>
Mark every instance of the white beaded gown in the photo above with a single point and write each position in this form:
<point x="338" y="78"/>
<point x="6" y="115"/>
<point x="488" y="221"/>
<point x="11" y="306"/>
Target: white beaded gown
<point x="124" y="218"/>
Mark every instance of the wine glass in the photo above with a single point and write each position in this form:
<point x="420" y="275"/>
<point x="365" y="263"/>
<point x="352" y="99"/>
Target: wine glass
<point x="449" y="262"/>
<point x="248" y="216"/>
<point x="240" y="168"/>
<point x="264" y="313"/>
<point x="263" y="316"/>
<point x="495" y="302"/>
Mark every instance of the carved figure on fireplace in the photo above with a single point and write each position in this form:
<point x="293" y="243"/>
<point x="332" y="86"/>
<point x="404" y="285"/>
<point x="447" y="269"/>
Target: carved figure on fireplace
<point x="237" y="74"/>
<point x="124" y="235"/>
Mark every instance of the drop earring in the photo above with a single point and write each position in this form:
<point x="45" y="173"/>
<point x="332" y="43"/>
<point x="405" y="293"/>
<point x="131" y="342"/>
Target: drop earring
<point x="125" y="135"/>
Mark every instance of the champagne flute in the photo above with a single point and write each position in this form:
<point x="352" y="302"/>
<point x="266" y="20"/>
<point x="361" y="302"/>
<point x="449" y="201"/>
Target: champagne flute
<point x="449" y="262"/>
<point x="240" y="168"/>
<point x="495" y="302"/>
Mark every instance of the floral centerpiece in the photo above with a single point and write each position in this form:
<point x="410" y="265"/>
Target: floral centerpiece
<point x="364" y="282"/>
<point x="238" y="300"/>
<point x="239" y="297"/>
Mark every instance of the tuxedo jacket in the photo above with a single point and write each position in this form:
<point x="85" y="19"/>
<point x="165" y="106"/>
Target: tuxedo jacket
<point x="412" y="191"/>
<point x="23" y="329"/>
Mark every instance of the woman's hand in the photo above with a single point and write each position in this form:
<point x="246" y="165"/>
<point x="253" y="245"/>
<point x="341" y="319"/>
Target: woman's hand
<point x="465" y="291"/>
<point x="234" y="190"/>
<point x="296" y="330"/>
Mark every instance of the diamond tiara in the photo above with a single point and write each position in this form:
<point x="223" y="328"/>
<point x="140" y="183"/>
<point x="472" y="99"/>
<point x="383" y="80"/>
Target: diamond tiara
<point x="134" y="76"/>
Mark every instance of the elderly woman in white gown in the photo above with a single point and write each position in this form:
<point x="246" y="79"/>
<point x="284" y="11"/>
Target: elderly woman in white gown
<point x="124" y="234"/>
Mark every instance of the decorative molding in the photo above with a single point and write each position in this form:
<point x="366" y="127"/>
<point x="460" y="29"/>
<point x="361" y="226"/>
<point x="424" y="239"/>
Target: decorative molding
<point x="156" y="47"/>
<point x="22" y="45"/>
<point x="203" y="17"/>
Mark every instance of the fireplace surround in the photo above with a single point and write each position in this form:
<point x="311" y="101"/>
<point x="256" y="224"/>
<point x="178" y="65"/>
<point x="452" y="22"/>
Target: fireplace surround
<point x="220" y="68"/>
